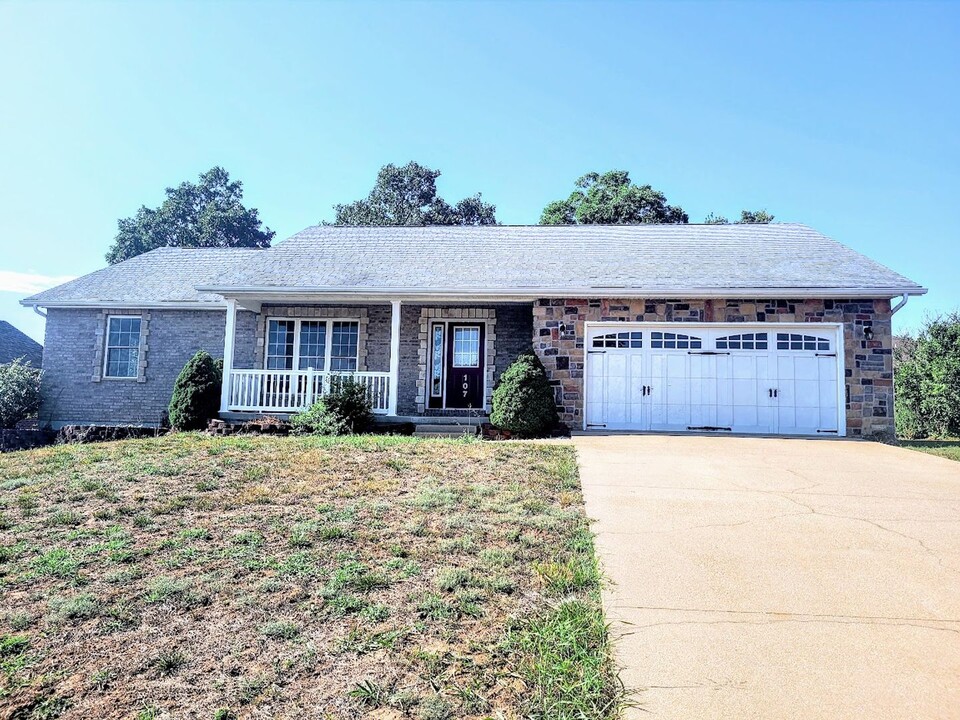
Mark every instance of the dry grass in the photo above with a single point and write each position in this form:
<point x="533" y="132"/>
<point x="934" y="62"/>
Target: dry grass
<point x="193" y="577"/>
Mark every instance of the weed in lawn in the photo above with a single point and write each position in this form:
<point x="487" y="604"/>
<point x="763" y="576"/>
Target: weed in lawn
<point x="13" y="645"/>
<point x="224" y="714"/>
<point x="449" y="579"/>
<point x="332" y="532"/>
<point x="19" y="620"/>
<point x="434" y="707"/>
<point x="168" y="662"/>
<point x="59" y="562"/>
<point x="361" y="642"/>
<point x="431" y="606"/>
<point x="250" y="688"/>
<point x="433" y="497"/>
<point x="102" y="679"/>
<point x="48" y="708"/>
<point x="14" y="483"/>
<point x="77" y="607"/>
<point x="150" y="712"/>
<point x="6" y="522"/>
<point x="341" y="603"/>
<point x="497" y="557"/>
<point x="375" y="613"/>
<point x="280" y="629"/>
<point x="573" y="574"/>
<point x="300" y="564"/>
<point x="370" y="693"/>
<point x="399" y="551"/>
<point x="61" y="516"/>
<point x="180" y="591"/>
<point x="206" y="485"/>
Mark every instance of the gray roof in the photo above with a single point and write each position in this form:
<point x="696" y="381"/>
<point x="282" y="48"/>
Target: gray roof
<point x="510" y="260"/>
<point x="15" y="344"/>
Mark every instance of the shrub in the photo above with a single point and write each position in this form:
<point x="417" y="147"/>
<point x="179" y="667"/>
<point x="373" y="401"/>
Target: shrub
<point x="927" y="380"/>
<point x="196" y="393"/>
<point x="523" y="401"/>
<point x="19" y="392"/>
<point x="344" y="410"/>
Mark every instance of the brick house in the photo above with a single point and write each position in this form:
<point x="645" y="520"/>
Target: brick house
<point x="772" y="329"/>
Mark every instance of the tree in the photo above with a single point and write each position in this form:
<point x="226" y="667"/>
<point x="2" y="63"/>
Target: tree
<point x="747" y="217"/>
<point x="19" y="392"/>
<point x="408" y="196"/>
<point x="611" y="199"/>
<point x="927" y="380"/>
<point x="196" y="393"/>
<point x="208" y="214"/>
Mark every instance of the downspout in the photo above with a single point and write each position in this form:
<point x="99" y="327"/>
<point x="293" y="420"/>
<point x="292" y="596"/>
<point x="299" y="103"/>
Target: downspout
<point x="38" y="311"/>
<point x="903" y="301"/>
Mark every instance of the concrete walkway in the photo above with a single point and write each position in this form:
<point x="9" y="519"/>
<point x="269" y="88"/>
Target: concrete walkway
<point x="776" y="578"/>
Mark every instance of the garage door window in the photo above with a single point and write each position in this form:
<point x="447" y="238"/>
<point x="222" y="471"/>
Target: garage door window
<point x="619" y="340"/>
<point x="674" y="341"/>
<point x="744" y="341"/>
<point x="794" y="341"/>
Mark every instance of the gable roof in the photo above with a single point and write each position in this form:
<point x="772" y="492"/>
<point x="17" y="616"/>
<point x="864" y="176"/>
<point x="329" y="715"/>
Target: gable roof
<point x="16" y="344"/>
<point x="500" y="260"/>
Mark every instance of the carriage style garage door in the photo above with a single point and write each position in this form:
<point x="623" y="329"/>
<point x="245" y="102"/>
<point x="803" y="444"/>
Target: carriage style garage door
<point x="770" y="378"/>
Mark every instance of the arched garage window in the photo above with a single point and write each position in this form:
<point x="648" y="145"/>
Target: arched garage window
<point x="626" y="339"/>
<point x="744" y="341"/>
<point x="794" y="341"/>
<point x="674" y="341"/>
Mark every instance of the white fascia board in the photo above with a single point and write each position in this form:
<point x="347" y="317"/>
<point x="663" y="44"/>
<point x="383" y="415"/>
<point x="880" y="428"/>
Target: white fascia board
<point x="220" y="306"/>
<point x="524" y="294"/>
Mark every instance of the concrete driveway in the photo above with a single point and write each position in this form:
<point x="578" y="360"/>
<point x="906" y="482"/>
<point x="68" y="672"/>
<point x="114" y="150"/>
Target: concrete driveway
<point x="779" y="578"/>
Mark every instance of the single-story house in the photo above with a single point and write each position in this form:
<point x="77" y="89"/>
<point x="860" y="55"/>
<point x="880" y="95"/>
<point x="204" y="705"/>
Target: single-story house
<point x="773" y="329"/>
<point x="17" y="345"/>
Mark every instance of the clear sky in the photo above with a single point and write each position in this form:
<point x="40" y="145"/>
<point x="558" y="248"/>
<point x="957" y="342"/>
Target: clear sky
<point x="843" y="116"/>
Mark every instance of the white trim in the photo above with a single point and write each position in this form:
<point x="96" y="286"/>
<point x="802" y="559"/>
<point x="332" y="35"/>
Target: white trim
<point x="106" y="348"/>
<point x="532" y="292"/>
<point x="770" y="327"/>
<point x="229" y="340"/>
<point x="395" y="312"/>
<point x="218" y="305"/>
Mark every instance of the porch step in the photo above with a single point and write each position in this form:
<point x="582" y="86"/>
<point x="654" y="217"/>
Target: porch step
<point x="444" y="430"/>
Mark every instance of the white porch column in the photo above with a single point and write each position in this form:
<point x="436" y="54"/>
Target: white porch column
<point x="394" y="356"/>
<point x="229" y="336"/>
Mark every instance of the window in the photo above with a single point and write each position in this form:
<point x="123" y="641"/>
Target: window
<point x="794" y="341"/>
<point x="674" y="341"/>
<point x="466" y="347"/>
<point x="343" y="351"/>
<point x="280" y="345"/>
<point x="436" y="362"/>
<point x="311" y="342"/>
<point x="632" y="339"/>
<point x="744" y="341"/>
<point x="123" y="347"/>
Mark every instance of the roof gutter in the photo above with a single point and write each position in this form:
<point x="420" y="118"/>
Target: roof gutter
<point x="610" y="291"/>
<point x="903" y="301"/>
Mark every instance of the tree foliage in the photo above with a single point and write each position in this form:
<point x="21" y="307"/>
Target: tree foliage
<point x="207" y="214"/>
<point x="523" y="401"/>
<point x="408" y="196"/>
<point x="611" y="199"/>
<point x="344" y="410"/>
<point x="19" y="392"/>
<point x="196" y="393"/>
<point x="747" y="217"/>
<point x="927" y="380"/>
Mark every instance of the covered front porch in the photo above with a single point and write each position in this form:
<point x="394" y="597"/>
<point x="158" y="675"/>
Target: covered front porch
<point x="415" y="358"/>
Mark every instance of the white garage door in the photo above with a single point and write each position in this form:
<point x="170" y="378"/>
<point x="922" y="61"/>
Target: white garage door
<point x="780" y="379"/>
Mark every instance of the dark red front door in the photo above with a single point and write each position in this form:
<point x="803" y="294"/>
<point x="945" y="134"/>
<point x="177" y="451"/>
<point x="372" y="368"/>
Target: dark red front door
<point x="464" y="370"/>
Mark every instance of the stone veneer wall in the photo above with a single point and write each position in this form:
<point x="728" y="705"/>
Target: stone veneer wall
<point x="868" y="363"/>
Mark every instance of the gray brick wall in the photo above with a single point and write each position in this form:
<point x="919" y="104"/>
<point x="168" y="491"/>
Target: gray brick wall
<point x="71" y="395"/>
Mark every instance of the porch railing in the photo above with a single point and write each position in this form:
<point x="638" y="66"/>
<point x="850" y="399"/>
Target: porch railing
<point x="288" y="391"/>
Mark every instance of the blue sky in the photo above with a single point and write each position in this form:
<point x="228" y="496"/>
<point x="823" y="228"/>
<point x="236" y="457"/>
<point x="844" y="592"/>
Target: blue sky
<point x="840" y="115"/>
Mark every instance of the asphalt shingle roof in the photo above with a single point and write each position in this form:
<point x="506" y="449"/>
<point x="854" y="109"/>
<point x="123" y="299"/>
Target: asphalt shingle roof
<point x="15" y="344"/>
<point x="521" y="259"/>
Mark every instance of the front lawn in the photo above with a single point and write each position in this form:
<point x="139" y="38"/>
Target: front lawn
<point x="195" y="577"/>
<point x="949" y="449"/>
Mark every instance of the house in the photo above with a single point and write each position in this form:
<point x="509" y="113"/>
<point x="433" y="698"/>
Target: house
<point x="771" y="329"/>
<point x="15" y="344"/>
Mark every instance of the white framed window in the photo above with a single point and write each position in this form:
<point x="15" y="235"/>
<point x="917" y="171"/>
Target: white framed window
<point x="122" y="353"/>
<point x="628" y="339"/>
<point x="466" y="347"/>
<point x="307" y="343"/>
<point x="797" y="341"/>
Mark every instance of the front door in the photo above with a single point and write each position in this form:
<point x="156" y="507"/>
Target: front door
<point x="464" y="366"/>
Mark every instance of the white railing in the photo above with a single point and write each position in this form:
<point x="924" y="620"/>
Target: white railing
<point x="287" y="391"/>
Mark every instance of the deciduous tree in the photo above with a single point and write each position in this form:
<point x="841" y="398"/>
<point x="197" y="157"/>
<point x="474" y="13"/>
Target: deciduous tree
<point x="611" y="199"/>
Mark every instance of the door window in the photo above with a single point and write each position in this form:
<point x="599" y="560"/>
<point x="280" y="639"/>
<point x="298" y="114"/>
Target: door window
<point x="744" y="341"/>
<point x="466" y="347"/>
<point x="794" y="341"/>
<point x="674" y="341"/>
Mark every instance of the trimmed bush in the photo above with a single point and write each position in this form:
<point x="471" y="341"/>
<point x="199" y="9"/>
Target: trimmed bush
<point x="523" y="401"/>
<point x="196" y="393"/>
<point x="346" y="409"/>
<point x="19" y="392"/>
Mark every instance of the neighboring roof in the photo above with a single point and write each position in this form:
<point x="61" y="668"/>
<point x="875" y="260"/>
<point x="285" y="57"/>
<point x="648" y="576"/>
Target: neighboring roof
<point x="15" y="344"/>
<point x="527" y="261"/>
